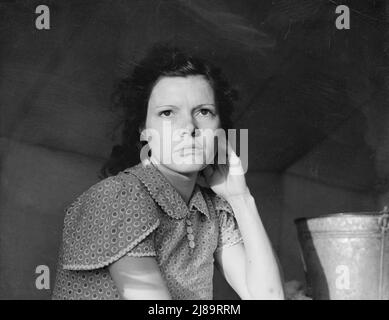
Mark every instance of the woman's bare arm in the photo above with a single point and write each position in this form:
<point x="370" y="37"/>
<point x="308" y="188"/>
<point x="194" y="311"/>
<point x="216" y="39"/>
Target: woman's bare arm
<point x="139" y="278"/>
<point x="252" y="269"/>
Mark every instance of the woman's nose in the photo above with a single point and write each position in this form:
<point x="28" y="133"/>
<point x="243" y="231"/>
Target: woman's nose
<point x="189" y="127"/>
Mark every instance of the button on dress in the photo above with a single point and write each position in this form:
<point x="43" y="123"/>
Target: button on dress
<point x="139" y="213"/>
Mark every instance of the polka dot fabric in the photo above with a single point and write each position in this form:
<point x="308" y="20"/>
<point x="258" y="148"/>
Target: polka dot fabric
<point x="145" y="248"/>
<point x="138" y="213"/>
<point x="229" y="233"/>
<point x="112" y="218"/>
<point x="84" y="285"/>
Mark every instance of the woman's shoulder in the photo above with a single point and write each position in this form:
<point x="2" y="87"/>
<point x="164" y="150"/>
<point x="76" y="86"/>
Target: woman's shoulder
<point x="124" y="181"/>
<point x="123" y="190"/>
<point x="107" y="221"/>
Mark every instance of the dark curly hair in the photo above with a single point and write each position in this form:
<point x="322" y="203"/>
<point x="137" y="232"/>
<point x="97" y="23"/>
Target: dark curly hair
<point x="131" y="96"/>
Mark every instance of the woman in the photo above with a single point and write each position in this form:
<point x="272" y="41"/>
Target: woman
<point x="153" y="230"/>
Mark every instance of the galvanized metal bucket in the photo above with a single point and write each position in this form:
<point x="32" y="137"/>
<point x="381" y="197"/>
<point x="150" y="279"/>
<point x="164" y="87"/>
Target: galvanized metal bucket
<point x="346" y="255"/>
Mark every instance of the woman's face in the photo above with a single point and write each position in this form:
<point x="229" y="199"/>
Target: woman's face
<point x="181" y="121"/>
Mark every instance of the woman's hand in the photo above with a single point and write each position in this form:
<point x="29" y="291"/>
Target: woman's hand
<point x="226" y="180"/>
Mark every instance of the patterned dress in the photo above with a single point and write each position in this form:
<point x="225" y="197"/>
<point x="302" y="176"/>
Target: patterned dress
<point x="139" y="213"/>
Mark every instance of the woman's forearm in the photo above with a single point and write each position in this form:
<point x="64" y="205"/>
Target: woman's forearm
<point x="263" y="277"/>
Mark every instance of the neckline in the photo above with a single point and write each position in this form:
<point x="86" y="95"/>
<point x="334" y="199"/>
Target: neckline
<point x="178" y="181"/>
<point x="163" y="192"/>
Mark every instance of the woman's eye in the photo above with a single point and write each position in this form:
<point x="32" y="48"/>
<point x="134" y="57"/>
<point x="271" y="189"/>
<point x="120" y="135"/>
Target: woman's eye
<point x="165" y="113"/>
<point x="206" y="112"/>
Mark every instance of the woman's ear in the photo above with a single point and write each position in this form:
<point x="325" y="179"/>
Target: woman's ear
<point x="141" y="128"/>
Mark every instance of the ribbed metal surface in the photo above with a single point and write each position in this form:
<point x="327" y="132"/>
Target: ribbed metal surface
<point x="346" y="255"/>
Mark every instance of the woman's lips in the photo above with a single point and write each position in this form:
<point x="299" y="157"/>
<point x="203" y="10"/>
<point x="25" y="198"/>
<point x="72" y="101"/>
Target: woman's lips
<point x="189" y="150"/>
<point x="187" y="147"/>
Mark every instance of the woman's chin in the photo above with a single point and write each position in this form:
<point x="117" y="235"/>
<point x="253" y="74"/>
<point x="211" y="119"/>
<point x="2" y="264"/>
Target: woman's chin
<point x="186" y="164"/>
<point x="186" y="168"/>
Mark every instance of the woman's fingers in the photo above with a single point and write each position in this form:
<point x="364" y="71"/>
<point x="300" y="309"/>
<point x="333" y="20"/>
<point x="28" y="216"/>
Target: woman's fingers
<point x="225" y="148"/>
<point x="233" y="161"/>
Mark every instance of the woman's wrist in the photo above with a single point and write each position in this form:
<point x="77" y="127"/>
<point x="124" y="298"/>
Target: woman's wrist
<point x="239" y="196"/>
<point x="243" y="204"/>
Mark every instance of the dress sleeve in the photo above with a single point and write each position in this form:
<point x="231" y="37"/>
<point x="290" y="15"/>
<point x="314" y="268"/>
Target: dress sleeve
<point x="113" y="218"/>
<point x="229" y="233"/>
<point x="145" y="248"/>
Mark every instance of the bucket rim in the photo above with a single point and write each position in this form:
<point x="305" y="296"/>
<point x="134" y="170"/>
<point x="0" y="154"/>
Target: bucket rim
<point x="339" y="215"/>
